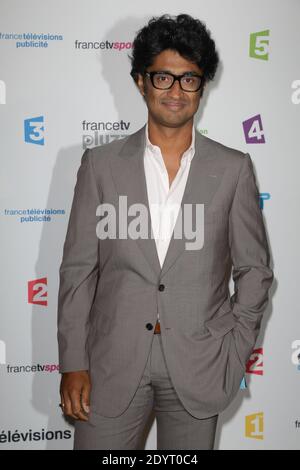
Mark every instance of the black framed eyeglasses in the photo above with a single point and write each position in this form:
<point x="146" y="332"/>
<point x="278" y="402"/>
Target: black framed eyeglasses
<point x="188" y="81"/>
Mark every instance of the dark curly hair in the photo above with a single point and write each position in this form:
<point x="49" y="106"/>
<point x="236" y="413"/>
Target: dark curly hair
<point x="184" y="34"/>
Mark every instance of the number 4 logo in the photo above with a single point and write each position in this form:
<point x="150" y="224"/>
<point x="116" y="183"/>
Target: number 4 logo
<point x="253" y="130"/>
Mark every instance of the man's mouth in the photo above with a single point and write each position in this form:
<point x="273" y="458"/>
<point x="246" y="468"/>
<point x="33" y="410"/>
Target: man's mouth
<point x="173" y="104"/>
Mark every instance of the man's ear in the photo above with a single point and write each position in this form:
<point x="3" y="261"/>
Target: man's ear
<point x="140" y="84"/>
<point x="202" y="90"/>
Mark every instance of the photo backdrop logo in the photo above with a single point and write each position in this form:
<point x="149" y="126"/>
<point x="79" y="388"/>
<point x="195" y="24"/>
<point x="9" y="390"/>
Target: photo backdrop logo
<point x="31" y="435"/>
<point x="295" y="97"/>
<point x="34" y="368"/>
<point x="34" y="214"/>
<point x="108" y="45"/>
<point x="262" y="198"/>
<point x="2" y="352"/>
<point x="253" y="130"/>
<point x="98" y="132"/>
<point x="255" y="363"/>
<point x="2" y="92"/>
<point x="296" y="353"/>
<point x="34" y="130"/>
<point x="37" y="291"/>
<point x="243" y="384"/>
<point x="254" y="426"/>
<point x="31" y="40"/>
<point x="259" y="45"/>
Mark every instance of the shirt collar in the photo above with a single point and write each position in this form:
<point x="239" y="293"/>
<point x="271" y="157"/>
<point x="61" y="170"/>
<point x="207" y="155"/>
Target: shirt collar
<point x="189" y="153"/>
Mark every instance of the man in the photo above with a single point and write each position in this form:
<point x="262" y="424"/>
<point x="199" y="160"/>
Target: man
<point x="148" y="322"/>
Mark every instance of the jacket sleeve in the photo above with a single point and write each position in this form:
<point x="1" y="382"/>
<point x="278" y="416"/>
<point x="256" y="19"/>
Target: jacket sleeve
<point x="78" y="271"/>
<point x="250" y="256"/>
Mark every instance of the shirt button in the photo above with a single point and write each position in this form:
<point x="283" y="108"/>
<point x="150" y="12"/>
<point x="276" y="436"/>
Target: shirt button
<point x="161" y="287"/>
<point x="149" y="326"/>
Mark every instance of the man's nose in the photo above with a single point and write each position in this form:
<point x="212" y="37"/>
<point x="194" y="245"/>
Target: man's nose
<point x="175" y="89"/>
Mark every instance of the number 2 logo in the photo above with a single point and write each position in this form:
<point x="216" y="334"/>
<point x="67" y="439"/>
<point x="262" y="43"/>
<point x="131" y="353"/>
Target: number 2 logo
<point x="37" y="291"/>
<point x="255" y="363"/>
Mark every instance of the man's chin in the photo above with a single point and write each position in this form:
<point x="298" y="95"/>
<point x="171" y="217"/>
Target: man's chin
<point x="174" y="123"/>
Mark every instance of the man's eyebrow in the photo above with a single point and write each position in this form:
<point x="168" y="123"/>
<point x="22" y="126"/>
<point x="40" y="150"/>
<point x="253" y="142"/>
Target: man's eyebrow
<point x="183" y="73"/>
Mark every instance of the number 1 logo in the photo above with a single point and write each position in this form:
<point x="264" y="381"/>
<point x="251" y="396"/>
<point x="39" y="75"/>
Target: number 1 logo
<point x="254" y="426"/>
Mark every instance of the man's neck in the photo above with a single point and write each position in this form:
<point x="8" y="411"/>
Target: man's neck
<point x="171" y="141"/>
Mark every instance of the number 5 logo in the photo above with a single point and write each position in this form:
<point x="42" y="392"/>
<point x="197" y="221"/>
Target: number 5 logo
<point x="34" y="130"/>
<point x="259" y="45"/>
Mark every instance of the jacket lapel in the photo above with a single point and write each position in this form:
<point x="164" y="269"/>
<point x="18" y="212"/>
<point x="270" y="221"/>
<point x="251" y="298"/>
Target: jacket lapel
<point x="129" y="176"/>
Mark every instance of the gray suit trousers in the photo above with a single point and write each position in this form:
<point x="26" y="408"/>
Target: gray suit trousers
<point x="176" y="428"/>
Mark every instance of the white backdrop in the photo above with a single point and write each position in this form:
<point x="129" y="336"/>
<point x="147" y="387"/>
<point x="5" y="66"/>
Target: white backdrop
<point x="55" y="89"/>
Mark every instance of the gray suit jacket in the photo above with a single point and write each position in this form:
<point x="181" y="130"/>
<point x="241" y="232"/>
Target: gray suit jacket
<point x="109" y="298"/>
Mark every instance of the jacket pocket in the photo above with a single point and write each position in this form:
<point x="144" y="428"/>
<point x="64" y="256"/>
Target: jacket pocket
<point x="218" y="327"/>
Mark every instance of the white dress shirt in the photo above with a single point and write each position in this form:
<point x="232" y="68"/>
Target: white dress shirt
<point x="164" y="201"/>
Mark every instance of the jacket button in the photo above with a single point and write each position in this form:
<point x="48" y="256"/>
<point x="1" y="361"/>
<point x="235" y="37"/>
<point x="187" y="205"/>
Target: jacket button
<point x="149" y="326"/>
<point x="161" y="287"/>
